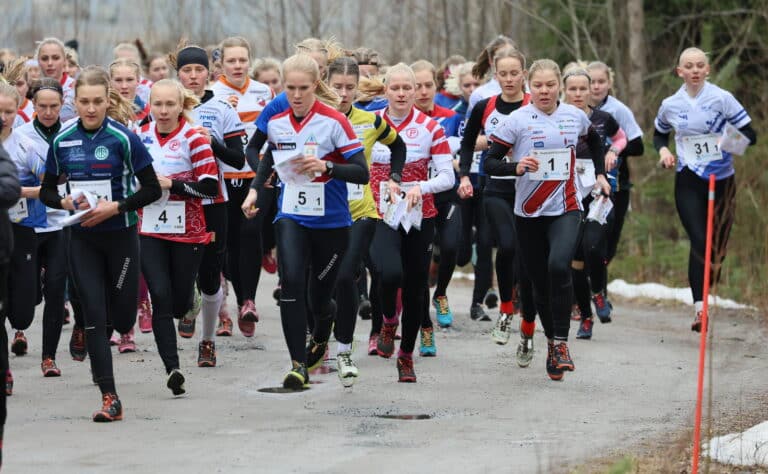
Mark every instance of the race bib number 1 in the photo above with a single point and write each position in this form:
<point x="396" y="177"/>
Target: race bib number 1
<point x="702" y="148"/>
<point x="304" y="200"/>
<point x="19" y="212"/>
<point x="101" y="189"/>
<point x="554" y="165"/>
<point x="168" y="218"/>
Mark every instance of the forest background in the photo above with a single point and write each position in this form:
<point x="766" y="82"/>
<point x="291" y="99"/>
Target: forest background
<point x="641" y="40"/>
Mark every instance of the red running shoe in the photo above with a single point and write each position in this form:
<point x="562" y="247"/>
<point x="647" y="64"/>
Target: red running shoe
<point x="111" y="409"/>
<point x="145" y="316"/>
<point x="405" y="372"/>
<point x="49" y="368"/>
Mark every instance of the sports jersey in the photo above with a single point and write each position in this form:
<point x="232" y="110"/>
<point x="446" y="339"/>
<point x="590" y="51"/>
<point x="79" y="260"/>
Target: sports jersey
<point x="277" y="105"/>
<point x="183" y="155"/>
<point x="220" y="118"/>
<point x="252" y="98"/>
<point x="378" y="103"/>
<point x="705" y="114"/>
<point x="27" y="110"/>
<point x="449" y="120"/>
<point x="449" y="101"/>
<point x="331" y="137"/>
<point x="144" y="89"/>
<point x="37" y="137"/>
<point x="103" y="161"/>
<point x="606" y="126"/>
<point x="31" y="167"/>
<point x="495" y="110"/>
<point x="425" y="143"/>
<point x="627" y="122"/>
<point x="486" y="90"/>
<point x="528" y="129"/>
<point x="370" y="129"/>
<point x="68" y="110"/>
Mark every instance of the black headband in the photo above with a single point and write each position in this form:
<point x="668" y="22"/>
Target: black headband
<point x="191" y="55"/>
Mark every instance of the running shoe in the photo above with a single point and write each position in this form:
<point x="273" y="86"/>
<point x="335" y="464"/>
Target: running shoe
<point x="524" y="353"/>
<point x="372" y="344"/>
<point x="385" y="344"/>
<point x="554" y="372"/>
<point x="206" y="354"/>
<point x="603" y="307"/>
<point x="176" y="382"/>
<point x="127" y="344"/>
<point x="563" y="357"/>
<point x="433" y="268"/>
<point x="48" y="366"/>
<point x="269" y="263"/>
<point x="503" y="329"/>
<point x="77" y="344"/>
<point x="297" y="378"/>
<point x="316" y="352"/>
<point x="186" y="327"/>
<point x="477" y="313"/>
<point x="114" y="339"/>
<point x="585" y="329"/>
<point x="225" y="326"/>
<point x="247" y="328"/>
<point x="491" y="299"/>
<point x="444" y="313"/>
<point x="364" y="309"/>
<point x="575" y="313"/>
<point x="696" y="326"/>
<point x="8" y="383"/>
<point x="67" y="313"/>
<point x="19" y="345"/>
<point x="197" y="305"/>
<point x="111" y="409"/>
<point x="347" y="370"/>
<point x="405" y="372"/>
<point x="248" y="312"/>
<point x="427" y="347"/>
<point x="145" y="316"/>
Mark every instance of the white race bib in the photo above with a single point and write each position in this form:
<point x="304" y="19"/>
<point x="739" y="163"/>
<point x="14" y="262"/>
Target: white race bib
<point x="585" y="171"/>
<point x="384" y="194"/>
<point x="304" y="200"/>
<point x="355" y="191"/>
<point x="554" y="165"/>
<point x="100" y="189"/>
<point x="20" y="211"/>
<point x="699" y="149"/>
<point x="475" y="166"/>
<point x="164" y="218"/>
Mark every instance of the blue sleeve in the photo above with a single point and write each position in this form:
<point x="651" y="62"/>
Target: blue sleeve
<point x="452" y="125"/>
<point x="277" y="105"/>
<point x="51" y="163"/>
<point x="140" y="157"/>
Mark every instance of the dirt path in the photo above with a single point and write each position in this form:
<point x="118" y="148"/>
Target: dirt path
<point x="634" y="381"/>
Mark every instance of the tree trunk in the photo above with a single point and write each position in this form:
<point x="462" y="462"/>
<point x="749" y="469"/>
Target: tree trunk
<point x="637" y="67"/>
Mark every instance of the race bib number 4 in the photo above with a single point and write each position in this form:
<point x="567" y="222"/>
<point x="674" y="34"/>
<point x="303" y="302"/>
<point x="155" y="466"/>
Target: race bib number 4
<point x="304" y="200"/>
<point x="101" y="189"/>
<point x="355" y="191"/>
<point x="702" y="148"/>
<point x="554" y="165"/>
<point x="19" y="212"/>
<point x="164" y="218"/>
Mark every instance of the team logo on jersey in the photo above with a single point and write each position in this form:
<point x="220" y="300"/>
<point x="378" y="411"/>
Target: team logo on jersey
<point x="101" y="152"/>
<point x="69" y="143"/>
<point x="494" y="121"/>
<point x="534" y="116"/>
<point x="174" y="145"/>
<point x="412" y="133"/>
<point x="147" y="140"/>
<point x="538" y="144"/>
<point x="286" y="146"/>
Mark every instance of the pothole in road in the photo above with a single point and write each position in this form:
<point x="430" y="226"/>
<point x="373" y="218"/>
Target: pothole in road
<point x="280" y="390"/>
<point x="392" y="416"/>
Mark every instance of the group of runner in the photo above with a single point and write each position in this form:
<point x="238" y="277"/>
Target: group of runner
<point x="144" y="198"/>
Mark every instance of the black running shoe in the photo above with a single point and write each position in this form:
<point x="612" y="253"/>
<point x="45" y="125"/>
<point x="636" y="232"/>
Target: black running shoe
<point x="554" y="372"/>
<point x="491" y="299"/>
<point x="477" y="313"/>
<point x="563" y="357"/>
<point x="176" y="382"/>
<point x="364" y="309"/>
<point x="77" y="347"/>
<point x="297" y="378"/>
<point x="315" y="353"/>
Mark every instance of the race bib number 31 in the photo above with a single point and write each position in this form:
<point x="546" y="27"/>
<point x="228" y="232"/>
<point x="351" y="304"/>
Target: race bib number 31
<point x="304" y="200"/>
<point x="554" y="165"/>
<point x="168" y="218"/>
<point x="702" y="148"/>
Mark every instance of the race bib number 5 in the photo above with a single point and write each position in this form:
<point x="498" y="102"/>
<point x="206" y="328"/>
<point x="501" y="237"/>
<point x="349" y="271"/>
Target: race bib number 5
<point x="702" y="148"/>
<point x="554" y="165"/>
<point x="304" y="200"/>
<point x="164" y="218"/>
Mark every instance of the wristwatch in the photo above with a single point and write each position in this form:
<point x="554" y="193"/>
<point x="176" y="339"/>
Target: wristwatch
<point x="329" y="168"/>
<point x="396" y="177"/>
<point x="614" y="150"/>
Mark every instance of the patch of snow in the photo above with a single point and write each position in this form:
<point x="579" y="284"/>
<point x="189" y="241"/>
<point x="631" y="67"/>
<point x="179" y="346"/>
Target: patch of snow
<point x="749" y="448"/>
<point x="660" y="292"/>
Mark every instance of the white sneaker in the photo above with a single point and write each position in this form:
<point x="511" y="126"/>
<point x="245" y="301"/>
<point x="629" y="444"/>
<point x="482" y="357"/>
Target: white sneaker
<point x="347" y="369"/>
<point x="524" y="350"/>
<point x="503" y="329"/>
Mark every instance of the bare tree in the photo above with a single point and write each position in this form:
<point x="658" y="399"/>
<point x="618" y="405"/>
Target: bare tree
<point x="637" y="67"/>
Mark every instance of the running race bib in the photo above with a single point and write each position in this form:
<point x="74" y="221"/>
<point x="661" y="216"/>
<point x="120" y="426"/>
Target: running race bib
<point x="20" y="211"/>
<point x="101" y="189"/>
<point x="585" y="171"/>
<point x="699" y="149"/>
<point x="554" y="165"/>
<point x="355" y="191"/>
<point x="304" y="200"/>
<point x="164" y="218"/>
<point x="474" y="168"/>
<point x="384" y="194"/>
